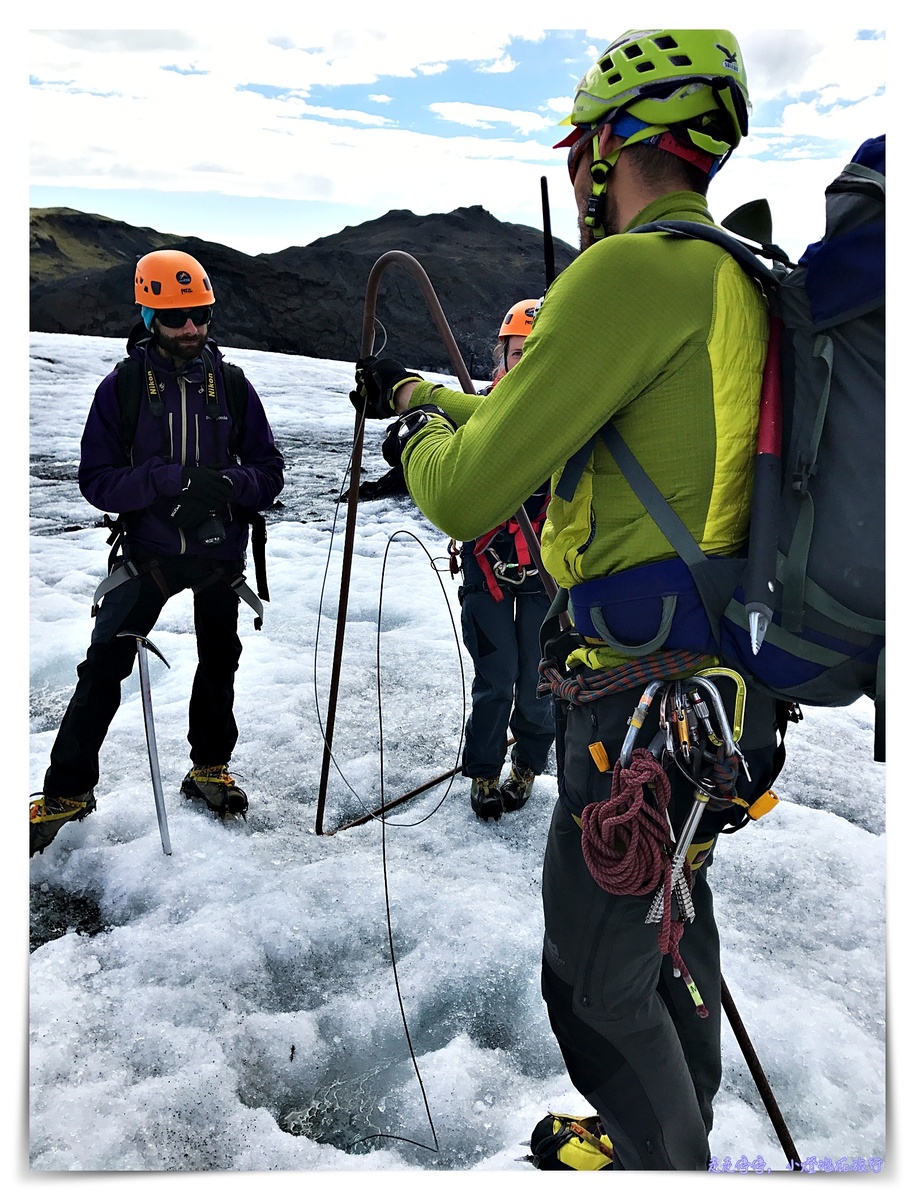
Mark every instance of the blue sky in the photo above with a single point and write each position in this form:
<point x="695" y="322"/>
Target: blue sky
<point x="266" y="138"/>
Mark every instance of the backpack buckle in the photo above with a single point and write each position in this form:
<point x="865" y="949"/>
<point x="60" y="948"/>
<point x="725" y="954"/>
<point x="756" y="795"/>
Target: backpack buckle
<point x="802" y="478"/>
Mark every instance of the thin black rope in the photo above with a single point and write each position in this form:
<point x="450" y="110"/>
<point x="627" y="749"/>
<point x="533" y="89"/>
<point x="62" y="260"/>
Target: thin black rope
<point x="374" y="814"/>
<point x="380" y="815"/>
<point x="384" y="821"/>
<point x="457" y="760"/>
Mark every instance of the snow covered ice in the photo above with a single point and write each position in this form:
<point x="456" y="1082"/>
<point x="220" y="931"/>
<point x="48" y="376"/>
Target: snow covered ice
<point x="233" y="1006"/>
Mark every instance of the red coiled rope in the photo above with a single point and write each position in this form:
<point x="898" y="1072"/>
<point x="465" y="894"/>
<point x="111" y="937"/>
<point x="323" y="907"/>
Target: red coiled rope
<point x="627" y="845"/>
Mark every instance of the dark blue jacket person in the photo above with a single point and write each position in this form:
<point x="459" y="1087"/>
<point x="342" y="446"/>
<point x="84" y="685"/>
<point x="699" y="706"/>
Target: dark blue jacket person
<point x="183" y="481"/>
<point x="503" y="605"/>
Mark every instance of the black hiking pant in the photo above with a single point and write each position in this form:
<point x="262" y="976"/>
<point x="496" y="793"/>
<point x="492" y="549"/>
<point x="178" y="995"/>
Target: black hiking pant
<point x="134" y="606"/>
<point x="503" y="639"/>
<point x="628" y="1030"/>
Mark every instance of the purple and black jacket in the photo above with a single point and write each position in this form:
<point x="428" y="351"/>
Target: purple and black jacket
<point x="141" y="484"/>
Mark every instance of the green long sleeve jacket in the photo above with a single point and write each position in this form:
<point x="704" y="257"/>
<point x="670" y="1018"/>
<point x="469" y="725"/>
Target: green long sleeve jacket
<point x="667" y="336"/>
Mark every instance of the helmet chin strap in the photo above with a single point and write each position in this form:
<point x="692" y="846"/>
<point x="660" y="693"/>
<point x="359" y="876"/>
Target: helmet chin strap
<point x="596" y="212"/>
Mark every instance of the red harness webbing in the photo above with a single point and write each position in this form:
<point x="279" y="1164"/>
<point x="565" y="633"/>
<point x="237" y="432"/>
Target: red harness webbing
<point x="485" y="557"/>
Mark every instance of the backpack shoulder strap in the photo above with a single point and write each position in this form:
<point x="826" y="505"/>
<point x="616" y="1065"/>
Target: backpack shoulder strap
<point x="236" y="399"/>
<point x="746" y="256"/>
<point x="132" y="383"/>
<point x="129" y="388"/>
<point x="129" y="382"/>
<point x="875" y="181"/>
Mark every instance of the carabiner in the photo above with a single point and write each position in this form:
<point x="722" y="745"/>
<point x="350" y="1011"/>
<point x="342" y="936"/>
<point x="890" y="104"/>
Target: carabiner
<point x="637" y="720"/>
<point x="740" y="700"/>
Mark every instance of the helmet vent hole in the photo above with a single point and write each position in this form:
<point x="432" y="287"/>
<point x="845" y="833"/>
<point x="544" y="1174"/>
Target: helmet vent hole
<point x="633" y="51"/>
<point x="607" y="65"/>
<point x="681" y="60"/>
<point x="156" y="286"/>
<point x="644" y="67"/>
<point x="665" y="43"/>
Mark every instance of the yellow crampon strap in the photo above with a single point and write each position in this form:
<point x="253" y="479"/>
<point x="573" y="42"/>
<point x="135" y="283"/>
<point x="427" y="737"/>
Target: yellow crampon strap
<point x="38" y="813"/>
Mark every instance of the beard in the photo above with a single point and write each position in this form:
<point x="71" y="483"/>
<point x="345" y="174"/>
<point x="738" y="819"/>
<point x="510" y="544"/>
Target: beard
<point x="183" y="347"/>
<point x="610" y="223"/>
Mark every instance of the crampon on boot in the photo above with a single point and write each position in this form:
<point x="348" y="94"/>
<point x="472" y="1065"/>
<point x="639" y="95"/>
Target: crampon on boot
<point x="516" y="790"/>
<point x="564" y="1143"/>
<point x="48" y="813"/>
<point x="216" y="787"/>
<point x="486" y="799"/>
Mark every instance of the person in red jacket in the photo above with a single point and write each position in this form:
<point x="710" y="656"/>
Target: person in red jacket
<point x="503" y="605"/>
<point x="184" y="483"/>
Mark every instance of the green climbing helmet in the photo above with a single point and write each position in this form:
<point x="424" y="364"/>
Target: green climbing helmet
<point x="683" y="78"/>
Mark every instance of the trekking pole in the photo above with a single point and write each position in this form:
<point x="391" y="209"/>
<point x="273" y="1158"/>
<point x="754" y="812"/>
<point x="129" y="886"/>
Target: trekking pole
<point x="463" y="377"/>
<point x="146" y="693"/>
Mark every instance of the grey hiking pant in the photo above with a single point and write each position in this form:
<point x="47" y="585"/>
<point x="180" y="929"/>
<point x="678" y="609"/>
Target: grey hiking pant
<point x="628" y="1030"/>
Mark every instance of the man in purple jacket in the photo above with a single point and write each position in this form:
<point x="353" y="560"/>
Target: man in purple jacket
<point x="184" y="485"/>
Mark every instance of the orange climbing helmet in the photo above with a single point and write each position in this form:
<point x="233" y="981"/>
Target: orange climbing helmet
<point x="171" y="279"/>
<point x="519" y="320"/>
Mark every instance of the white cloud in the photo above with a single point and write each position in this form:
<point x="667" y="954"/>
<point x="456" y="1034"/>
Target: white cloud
<point x="481" y="116"/>
<point x="229" y="55"/>
<point x="796" y="61"/>
<point x="501" y="66"/>
<point x="560" y="104"/>
<point x="848" y="122"/>
<point x="297" y="108"/>
<point x="225" y="138"/>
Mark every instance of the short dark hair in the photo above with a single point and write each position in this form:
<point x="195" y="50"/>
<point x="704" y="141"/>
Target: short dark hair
<point x="661" y="169"/>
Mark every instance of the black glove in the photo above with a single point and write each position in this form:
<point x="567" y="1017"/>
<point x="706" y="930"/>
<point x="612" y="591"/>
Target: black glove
<point x="377" y="379"/>
<point x="412" y="421"/>
<point x="188" y="512"/>
<point x="206" y="484"/>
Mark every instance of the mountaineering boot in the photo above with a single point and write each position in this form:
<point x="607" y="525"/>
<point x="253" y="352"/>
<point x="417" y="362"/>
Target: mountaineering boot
<point x="217" y="787"/>
<point x="516" y="790"/>
<point x="563" y="1143"/>
<point x="48" y="813"/>
<point x="486" y="799"/>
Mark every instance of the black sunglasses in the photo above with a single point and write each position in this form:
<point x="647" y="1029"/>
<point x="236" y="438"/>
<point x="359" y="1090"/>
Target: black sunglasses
<point x="577" y="149"/>
<point x="176" y="318"/>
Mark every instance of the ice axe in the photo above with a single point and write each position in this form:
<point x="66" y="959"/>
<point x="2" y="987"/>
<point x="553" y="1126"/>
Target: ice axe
<point x="759" y="583"/>
<point x="143" y="644"/>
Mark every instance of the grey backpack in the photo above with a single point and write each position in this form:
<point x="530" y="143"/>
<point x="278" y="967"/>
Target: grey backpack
<point x="803" y="614"/>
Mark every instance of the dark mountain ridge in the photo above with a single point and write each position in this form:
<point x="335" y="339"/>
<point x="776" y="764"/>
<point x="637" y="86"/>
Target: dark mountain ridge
<point x="304" y="300"/>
